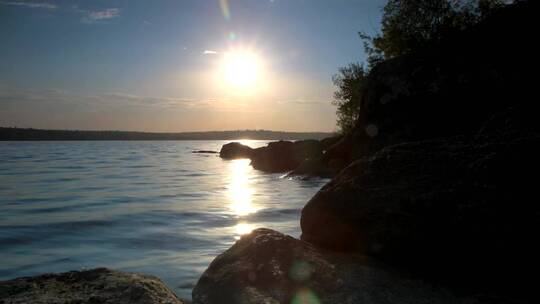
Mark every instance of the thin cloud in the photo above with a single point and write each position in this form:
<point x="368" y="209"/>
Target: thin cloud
<point x="100" y="16"/>
<point x="42" y="5"/>
<point x="30" y="97"/>
<point x="209" y="52"/>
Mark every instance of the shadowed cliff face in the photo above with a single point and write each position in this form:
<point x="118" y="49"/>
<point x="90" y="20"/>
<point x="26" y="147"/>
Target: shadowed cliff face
<point x="446" y="146"/>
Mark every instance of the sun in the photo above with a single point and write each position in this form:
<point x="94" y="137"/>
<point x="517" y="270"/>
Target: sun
<point x="241" y="70"/>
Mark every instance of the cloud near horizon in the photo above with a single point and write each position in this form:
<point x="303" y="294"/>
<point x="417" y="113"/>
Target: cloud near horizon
<point x="42" y="5"/>
<point x="62" y="109"/>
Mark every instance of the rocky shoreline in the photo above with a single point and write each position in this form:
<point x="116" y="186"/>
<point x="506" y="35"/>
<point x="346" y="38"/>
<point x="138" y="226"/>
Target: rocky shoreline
<point x="303" y="157"/>
<point x="433" y="197"/>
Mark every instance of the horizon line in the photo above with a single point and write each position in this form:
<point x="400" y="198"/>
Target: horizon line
<point x="167" y="132"/>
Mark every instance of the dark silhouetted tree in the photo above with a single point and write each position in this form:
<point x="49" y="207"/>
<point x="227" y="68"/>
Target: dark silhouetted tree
<point x="350" y="82"/>
<point x="406" y="25"/>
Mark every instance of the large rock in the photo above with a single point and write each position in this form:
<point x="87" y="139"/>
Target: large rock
<point x="235" y="150"/>
<point x="283" y="156"/>
<point x="454" y="210"/>
<point x="95" y="286"/>
<point x="269" y="267"/>
<point x="275" y="157"/>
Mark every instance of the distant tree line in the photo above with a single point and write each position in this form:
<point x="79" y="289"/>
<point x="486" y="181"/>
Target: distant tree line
<point x="406" y="26"/>
<point x="40" y="134"/>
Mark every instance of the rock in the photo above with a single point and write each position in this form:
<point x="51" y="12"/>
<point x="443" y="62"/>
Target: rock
<point x="340" y="154"/>
<point x="312" y="168"/>
<point x="283" y="156"/>
<point x="275" y="157"/>
<point x="235" y="150"/>
<point x="204" y="152"/>
<point x="269" y="267"/>
<point x="99" y="285"/>
<point x="449" y="209"/>
<point x="330" y="141"/>
<point x="307" y="149"/>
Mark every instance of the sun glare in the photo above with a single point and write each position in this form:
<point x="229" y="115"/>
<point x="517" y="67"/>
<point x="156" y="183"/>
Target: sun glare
<point x="241" y="229"/>
<point x="239" y="191"/>
<point x="241" y="70"/>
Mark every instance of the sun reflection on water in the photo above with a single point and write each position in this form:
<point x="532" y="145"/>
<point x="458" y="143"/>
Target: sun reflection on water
<point x="241" y="229"/>
<point x="240" y="195"/>
<point x="239" y="191"/>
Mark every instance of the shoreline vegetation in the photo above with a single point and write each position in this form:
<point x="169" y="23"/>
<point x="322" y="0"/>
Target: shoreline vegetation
<point x="433" y="200"/>
<point x="20" y="134"/>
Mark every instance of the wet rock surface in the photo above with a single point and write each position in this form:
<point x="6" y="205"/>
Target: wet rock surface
<point x="95" y="286"/>
<point x="269" y="267"/>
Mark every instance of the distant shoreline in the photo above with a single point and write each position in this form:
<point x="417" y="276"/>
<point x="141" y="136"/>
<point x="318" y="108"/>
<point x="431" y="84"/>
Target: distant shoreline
<point x="29" y="134"/>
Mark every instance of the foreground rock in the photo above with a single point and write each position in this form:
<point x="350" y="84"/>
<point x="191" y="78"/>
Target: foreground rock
<point x="95" y="286"/>
<point x="269" y="267"/>
<point x="458" y="211"/>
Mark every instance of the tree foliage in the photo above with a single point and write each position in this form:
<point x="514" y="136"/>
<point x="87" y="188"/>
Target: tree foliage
<point x="406" y="25"/>
<point x="350" y="82"/>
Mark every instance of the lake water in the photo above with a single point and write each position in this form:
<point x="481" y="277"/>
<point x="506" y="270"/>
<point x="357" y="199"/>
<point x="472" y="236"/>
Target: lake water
<point x="153" y="207"/>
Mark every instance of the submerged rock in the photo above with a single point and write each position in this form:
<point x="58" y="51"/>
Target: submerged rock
<point x="269" y="267"/>
<point x="99" y="285"/>
<point x="458" y="211"/>
<point x="235" y="150"/>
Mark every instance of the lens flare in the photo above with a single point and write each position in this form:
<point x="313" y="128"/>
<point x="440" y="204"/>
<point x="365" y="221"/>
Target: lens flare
<point x="305" y="296"/>
<point x="224" y="4"/>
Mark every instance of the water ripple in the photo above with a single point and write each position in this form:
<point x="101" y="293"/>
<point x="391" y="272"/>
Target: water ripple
<point x="152" y="207"/>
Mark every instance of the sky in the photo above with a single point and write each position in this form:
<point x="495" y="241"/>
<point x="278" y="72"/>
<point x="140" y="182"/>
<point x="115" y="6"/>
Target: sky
<point x="175" y="65"/>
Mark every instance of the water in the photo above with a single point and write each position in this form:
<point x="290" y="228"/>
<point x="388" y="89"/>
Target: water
<point x="151" y="207"/>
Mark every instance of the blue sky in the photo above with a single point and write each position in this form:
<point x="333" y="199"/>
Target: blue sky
<point x="152" y="65"/>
